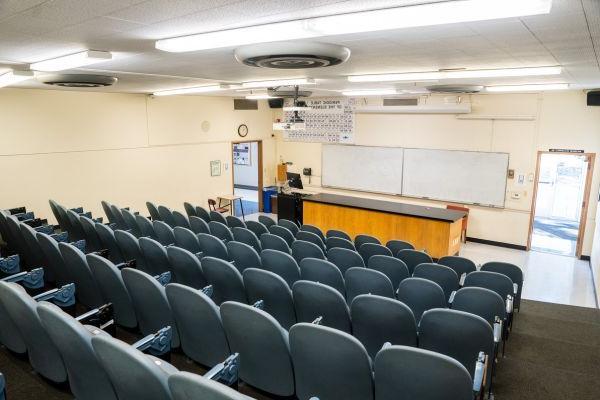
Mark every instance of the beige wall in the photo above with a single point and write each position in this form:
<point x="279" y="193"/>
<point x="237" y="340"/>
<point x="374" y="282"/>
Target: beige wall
<point x="561" y="120"/>
<point x="82" y="147"/>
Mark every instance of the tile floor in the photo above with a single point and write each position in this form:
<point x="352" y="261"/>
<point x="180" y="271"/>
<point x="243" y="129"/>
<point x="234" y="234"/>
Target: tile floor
<point x="548" y="277"/>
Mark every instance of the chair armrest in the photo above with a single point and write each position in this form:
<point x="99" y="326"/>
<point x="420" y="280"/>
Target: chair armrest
<point x="62" y="297"/>
<point x="515" y="288"/>
<point x="164" y="278"/>
<point x="10" y="265"/>
<point x="100" y="317"/>
<point x="226" y="371"/>
<point x="451" y="299"/>
<point x="498" y="325"/>
<point x="509" y="304"/>
<point x="157" y="344"/>
<point x="463" y="276"/>
<point x="317" y="321"/>
<point x="480" y="373"/>
<point x="207" y="290"/>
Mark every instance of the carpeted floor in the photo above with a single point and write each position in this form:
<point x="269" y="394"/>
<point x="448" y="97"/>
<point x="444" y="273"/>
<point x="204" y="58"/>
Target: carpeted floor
<point x="553" y="354"/>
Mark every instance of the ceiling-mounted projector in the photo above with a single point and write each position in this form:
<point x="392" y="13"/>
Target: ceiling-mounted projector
<point x="292" y="55"/>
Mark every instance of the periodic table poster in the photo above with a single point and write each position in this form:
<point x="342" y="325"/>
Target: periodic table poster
<point x="330" y="120"/>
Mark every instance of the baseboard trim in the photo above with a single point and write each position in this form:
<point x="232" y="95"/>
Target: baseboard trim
<point x="247" y="187"/>
<point x="585" y="258"/>
<point x="497" y="244"/>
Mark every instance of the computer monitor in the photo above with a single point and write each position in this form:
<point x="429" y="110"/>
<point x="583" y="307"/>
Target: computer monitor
<point x="294" y="180"/>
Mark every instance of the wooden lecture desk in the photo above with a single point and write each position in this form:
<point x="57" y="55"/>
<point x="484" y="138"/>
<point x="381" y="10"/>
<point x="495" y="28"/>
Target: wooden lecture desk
<point x="436" y="230"/>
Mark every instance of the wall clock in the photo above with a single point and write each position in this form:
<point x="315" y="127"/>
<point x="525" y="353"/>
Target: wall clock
<point x="243" y="130"/>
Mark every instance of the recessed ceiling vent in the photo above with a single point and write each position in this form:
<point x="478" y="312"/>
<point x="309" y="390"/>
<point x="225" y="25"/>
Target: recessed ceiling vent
<point x="455" y="88"/>
<point x="292" y="55"/>
<point x="78" y="80"/>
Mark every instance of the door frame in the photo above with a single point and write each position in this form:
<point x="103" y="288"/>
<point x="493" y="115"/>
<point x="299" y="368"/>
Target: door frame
<point x="591" y="157"/>
<point x="260" y="169"/>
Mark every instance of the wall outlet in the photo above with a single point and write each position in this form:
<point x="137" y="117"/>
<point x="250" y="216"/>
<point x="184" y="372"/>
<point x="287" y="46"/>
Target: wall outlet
<point x="516" y="195"/>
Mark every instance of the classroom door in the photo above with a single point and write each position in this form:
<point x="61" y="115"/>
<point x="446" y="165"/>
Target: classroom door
<point x="560" y="202"/>
<point x="247" y="175"/>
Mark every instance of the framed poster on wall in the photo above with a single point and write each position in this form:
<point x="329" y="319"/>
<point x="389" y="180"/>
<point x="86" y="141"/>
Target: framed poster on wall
<point x="215" y="168"/>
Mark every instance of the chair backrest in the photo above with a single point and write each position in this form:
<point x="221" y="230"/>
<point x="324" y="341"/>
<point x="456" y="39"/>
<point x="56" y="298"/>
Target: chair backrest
<point x="166" y="215"/>
<point x="282" y="264"/>
<point x="329" y="364"/>
<point x="313" y="300"/>
<point x="396" y="245"/>
<point x="153" y="210"/>
<point x="399" y="372"/>
<point x="218" y="217"/>
<point x="421" y="295"/>
<point x="220" y="231"/>
<point x="313" y="229"/>
<point x="35" y="251"/>
<point x="164" y="233"/>
<point x="234" y="222"/>
<point x="121" y="223"/>
<point x="457" y="334"/>
<point x="49" y="247"/>
<point x="10" y="336"/>
<point x="460" y="265"/>
<point x="368" y="250"/>
<point x="344" y="258"/>
<point x="109" y="242"/>
<point x="87" y="290"/>
<point x="131" y="222"/>
<point x="199" y="225"/>
<point x="283" y="233"/>
<point x="186" y="385"/>
<point x="246" y="236"/>
<point x="265" y="360"/>
<point x="323" y="271"/>
<point x="302" y="249"/>
<point x="266" y="221"/>
<point x="186" y="267"/>
<point x="203" y="213"/>
<point x="199" y="323"/>
<point x="17" y="235"/>
<point x="87" y="377"/>
<point x="312" y="238"/>
<point x="361" y="239"/>
<point x="190" y="210"/>
<point x="479" y="301"/>
<point x="274" y="292"/>
<point x="112" y="287"/>
<point x="186" y="239"/>
<point x="212" y="246"/>
<point x="511" y="270"/>
<point x="105" y="207"/>
<point x="257" y="227"/>
<point x="378" y="320"/>
<point x="76" y="231"/>
<point x="392" y="267"/>
<point x="133" y="374"/>
<point x="274" y="242"/>
<point x="412" y="258"/>
<point x="44" y="357"/>
<point x="290" y="225"/>
<point x="494" y="281"/>
<point x="335" y="241"/>
<point x="337" y="233"/>
<point x="367" y="281"/>
<point x="225" y="279"/>
<point x="440" y="274"/>
<point x="155" y="256"/>
<point x="92" y="240"/>
<point x="150" y="302"/>
<point x="130" y="248"/>
<point x="180" y="219"/>
<point x="243" y="256"/>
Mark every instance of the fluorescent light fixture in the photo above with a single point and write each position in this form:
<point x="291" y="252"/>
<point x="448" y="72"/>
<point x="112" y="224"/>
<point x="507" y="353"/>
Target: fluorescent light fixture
<point x="371" y="92"/>
<point x="461" y="74"/>
<point x="297" y="108"/>
<point x="528" y="88"/>
<point x="72" y="61"/>
<point x="13" y="77"/>
<point x="447" y="12"/>
<point x="190" y="90"/>
<point x="261" y="96"/>
<point x="280" y="82"/>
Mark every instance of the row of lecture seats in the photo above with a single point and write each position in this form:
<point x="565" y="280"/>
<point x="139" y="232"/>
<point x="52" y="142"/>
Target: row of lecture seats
<point x="61" y="347"/>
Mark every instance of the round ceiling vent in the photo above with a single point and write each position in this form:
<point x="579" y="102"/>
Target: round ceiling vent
<point x="78" y="80"/>
<point x="292" y="55"/>
<point x="455" y="88"/>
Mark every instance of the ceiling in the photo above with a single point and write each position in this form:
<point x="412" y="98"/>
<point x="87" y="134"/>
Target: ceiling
<point x="35" y="30"/>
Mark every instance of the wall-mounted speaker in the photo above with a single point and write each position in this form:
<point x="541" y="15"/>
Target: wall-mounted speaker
<point x="276" y="103"/>
<point x="593" y="98"/>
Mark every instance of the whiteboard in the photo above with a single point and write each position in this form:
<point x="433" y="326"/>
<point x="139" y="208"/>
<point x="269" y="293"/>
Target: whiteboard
<point x="364" y="168"/>
<point x="458" y="176"/>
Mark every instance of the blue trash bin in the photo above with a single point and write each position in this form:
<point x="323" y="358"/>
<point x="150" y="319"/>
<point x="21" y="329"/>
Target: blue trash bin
<point x="267" y="193"/>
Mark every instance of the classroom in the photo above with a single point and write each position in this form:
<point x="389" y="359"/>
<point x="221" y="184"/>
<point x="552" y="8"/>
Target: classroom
<point x="303" y="200"/>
